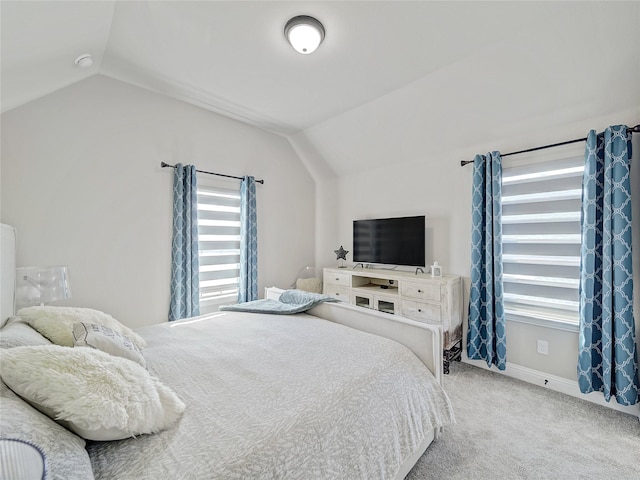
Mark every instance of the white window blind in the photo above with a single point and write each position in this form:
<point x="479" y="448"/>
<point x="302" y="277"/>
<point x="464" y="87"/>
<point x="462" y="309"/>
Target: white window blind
<point x="218" y="243"/>
<point x="541" y="240"/>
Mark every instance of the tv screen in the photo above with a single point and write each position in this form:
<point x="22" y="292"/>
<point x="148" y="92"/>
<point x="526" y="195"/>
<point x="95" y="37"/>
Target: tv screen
<point x="392" y="241"/>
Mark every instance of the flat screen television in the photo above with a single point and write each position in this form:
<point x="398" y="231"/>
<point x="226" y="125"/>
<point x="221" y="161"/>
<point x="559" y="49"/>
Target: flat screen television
<point x="391" y="241"/>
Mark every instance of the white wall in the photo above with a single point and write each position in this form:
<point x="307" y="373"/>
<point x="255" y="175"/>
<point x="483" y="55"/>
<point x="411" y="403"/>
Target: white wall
<point x="441" y="189"/>
<point x="82" y="183"/>
<point x="400" y="153"/>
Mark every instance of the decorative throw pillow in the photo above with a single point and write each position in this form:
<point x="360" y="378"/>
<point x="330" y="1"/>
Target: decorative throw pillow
<point x="17" y="333"/>
<point x="94" y="394"/>
<point x="313" y="285"/>
<point x="300" y="297"/>
<point x="65" y="453"/>
<point x="56" y="323"/>
<point x="108" y="340"/>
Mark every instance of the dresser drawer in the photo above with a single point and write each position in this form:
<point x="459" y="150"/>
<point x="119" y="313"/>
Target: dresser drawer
<point x="336" y="291"/>
<point x="425" y="312"/>
<point x="420" y="291"/>
<point x="337" y="278"/>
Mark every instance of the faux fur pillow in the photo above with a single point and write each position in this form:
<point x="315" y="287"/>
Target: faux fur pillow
<point x="108" y="340"/>
<point x="313" y="285"/>
<point x="56" y="323"/>
<point x="94" y="394"/>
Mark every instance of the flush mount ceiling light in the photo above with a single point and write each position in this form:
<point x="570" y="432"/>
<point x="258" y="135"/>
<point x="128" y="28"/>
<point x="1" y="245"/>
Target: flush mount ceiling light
<point x="304" y="33"/>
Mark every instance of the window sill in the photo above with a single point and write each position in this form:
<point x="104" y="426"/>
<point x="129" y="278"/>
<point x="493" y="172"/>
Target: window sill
<point x="212" y="305"/>
<point x="541" y="322"/>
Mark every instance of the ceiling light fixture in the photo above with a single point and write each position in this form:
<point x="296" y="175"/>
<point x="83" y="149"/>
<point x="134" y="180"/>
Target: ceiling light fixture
<point x="84" y="60"/>
<point x="304" y="33"/>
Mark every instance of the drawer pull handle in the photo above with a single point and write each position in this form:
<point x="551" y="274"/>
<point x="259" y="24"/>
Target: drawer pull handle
<point x="337" y="294"/>
<point x="419" y="310"/>
<point x="419" y="291"/>
<point x="337" y="279"/>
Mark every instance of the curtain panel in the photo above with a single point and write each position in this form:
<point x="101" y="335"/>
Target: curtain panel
<point x="486" y="338"/>
<point x="607" y="357"/>
<point x="185" y="291"/>
<point x="248" y="284"/>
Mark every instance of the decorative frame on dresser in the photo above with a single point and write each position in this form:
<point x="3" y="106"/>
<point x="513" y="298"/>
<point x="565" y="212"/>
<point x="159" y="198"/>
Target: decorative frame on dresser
<point x="417" y="296"/>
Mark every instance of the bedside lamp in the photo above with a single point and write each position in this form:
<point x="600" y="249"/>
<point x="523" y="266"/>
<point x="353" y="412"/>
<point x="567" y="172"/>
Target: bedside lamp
<point x="41" y="285"/>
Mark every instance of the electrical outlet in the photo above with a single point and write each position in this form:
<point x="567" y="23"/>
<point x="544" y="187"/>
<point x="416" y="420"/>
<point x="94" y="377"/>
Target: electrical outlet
<point x="543" y="347"/>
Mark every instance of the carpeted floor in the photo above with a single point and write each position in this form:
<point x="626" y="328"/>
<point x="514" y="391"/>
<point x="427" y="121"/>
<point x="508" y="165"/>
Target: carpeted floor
<point x="509" y="429"/>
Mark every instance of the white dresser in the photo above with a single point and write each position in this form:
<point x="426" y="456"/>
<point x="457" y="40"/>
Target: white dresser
<point x="433" y="300"/>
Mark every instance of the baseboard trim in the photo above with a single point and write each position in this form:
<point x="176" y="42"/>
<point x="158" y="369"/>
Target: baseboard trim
<point x="553" y="382"/>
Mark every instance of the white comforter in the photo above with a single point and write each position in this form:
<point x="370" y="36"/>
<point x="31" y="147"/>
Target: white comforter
<point x="275" y="397"/>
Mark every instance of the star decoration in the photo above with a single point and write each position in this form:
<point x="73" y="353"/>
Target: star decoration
<point x="341" y="253"/>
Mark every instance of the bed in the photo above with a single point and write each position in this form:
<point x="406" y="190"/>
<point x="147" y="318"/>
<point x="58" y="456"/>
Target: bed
<point x="335" y="392"/>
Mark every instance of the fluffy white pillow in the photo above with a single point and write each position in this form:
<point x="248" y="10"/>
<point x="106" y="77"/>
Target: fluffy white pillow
<point x="56" y="323"/>
<point x="313" y="285"/>
<point x="108" y="340"/>
<point x="96" y="395"/>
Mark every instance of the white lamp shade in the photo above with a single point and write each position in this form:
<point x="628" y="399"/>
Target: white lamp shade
<point x="304" y="33"/>
<point x="41" y="285"/>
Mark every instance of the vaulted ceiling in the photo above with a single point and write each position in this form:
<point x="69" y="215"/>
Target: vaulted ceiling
<point x="417" y="71"/>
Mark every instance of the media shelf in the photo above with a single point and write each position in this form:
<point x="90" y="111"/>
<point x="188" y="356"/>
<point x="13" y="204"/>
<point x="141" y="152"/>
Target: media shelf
<point x="372" y="287"/>
<point x="420" y="297"/>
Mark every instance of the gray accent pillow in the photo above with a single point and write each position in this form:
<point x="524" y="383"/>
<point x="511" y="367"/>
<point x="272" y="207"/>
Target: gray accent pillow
<point x="108" y="340"/>
<point x="17" y="333"/>
<point x="65" y="454"/>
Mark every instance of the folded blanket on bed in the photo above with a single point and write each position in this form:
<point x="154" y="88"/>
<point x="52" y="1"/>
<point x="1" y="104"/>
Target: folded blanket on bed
<point x="291" y="301"/>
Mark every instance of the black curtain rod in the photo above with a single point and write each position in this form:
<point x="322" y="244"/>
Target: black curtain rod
<point x="163" y="165"/>
<point x="635" y="129"/>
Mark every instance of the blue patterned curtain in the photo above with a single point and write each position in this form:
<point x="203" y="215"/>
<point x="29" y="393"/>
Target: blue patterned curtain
<point x="185" y="285"/>
<point x="486" y="339"/>
<point x="248" y="290"/>
<point x="607" y="358"/>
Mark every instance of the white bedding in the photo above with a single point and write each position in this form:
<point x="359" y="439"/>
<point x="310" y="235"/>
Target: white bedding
<point x="273" y="396"/>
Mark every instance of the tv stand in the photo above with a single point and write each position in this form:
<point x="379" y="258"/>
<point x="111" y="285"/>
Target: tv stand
<point x="417" y="296"/>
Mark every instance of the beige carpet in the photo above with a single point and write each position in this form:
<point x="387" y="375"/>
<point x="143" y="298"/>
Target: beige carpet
<point x="509" y="429"/>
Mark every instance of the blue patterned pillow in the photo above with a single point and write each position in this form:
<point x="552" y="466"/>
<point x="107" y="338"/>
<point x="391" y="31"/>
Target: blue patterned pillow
<point x="300" y="297"/>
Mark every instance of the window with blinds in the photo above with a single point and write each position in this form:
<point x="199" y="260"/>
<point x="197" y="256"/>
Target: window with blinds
<point x="541" y="240"/>
<point x="218" y="243"/>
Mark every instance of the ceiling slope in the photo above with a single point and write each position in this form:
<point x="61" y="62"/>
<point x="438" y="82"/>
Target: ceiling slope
<point x="584" y="63"/>
<point x="390" y="79"/>
<point x="40" y="41"/>
<point x="231" y="57"/>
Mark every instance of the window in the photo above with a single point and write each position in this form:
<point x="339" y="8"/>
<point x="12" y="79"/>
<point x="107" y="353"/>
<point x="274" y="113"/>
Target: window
<point x="218" y="244"/>
<point x="541" y="241"/>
